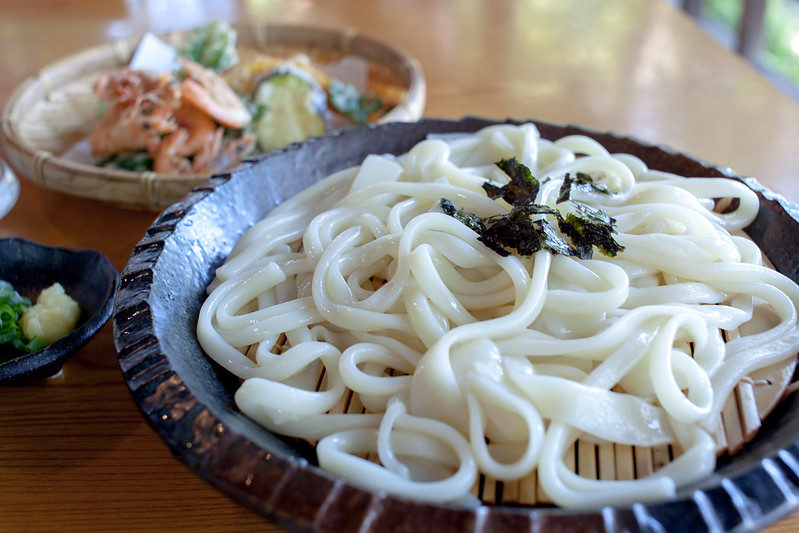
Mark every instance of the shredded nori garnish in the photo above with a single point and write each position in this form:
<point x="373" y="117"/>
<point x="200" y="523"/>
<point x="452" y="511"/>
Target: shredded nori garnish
<point x="585" y="227"/>
<point x="474" y="222"/>
<point x="522" y="188"/>
<point x="580" y="181"/>
<point x="588" y="226"/>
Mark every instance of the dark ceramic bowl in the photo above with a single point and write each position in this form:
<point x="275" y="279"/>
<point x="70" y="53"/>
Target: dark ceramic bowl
<point x="86" y="275"/>
<point x="189" y="401"/>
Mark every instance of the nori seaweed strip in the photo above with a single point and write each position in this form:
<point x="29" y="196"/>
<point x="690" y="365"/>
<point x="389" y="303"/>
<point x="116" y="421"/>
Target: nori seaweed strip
<point x="586" y="226"/>
<point x="523" y="187"/>
<point x="473" y="222"/>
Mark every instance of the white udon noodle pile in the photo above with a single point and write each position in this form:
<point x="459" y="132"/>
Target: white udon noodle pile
<point x="468" y="362"/>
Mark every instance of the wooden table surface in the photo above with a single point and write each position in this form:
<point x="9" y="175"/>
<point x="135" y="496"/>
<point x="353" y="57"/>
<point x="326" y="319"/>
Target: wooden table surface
<point x="75" y="454"/>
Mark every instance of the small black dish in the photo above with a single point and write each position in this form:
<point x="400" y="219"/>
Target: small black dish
<point x="86" y="275"/>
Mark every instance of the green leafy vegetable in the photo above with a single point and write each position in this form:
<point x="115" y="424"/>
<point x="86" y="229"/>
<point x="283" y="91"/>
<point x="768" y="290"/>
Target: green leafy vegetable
<point x="12" y="305"/>
<point x="213" y="46"/>
<point x="580" y="229"/>
<point x="131" y="161"/>
<point x="346" y="99"/>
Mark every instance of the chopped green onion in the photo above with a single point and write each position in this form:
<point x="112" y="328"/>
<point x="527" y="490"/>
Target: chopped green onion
<point x="12" y="305"/>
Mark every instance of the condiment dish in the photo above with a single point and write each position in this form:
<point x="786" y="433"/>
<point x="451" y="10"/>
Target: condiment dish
<point x="87" y="276"/>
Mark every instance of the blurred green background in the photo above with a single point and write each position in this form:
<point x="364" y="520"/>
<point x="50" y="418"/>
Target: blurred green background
<point x="779" y="54"/>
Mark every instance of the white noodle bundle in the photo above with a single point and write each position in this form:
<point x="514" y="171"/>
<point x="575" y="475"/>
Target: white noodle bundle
<point x="467" y="362"/>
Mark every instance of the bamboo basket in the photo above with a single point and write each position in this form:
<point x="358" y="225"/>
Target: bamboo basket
<point x="56" y="108"/>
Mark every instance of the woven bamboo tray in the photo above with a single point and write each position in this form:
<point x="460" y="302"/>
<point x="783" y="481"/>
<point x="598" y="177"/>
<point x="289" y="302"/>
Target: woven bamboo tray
<point x="749" y="403"/>
<point x="745" y="408"/>
<point x="56" y="108"/>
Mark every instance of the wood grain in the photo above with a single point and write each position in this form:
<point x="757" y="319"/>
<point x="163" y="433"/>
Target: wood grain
<point x="75" y="454"/>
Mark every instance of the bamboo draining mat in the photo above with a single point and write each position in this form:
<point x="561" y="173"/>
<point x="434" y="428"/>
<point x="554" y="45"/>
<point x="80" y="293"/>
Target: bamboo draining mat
<point x="750" y="402"/>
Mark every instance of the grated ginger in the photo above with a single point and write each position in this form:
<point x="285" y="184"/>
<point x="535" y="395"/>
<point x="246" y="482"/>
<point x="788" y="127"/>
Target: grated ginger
<point x="54" y="315"/>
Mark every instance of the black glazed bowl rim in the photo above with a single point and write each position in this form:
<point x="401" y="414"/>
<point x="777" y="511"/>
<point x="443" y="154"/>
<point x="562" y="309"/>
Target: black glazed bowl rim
<point x="87" y="275"/>
<point x="188" y="400"/>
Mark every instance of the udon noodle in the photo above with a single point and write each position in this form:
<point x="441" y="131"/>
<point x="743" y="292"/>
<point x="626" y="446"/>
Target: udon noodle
<point x="467" y="362"/>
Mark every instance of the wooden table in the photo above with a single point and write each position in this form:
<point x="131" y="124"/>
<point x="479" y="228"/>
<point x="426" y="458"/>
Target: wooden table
<point x="75" y="454"/>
